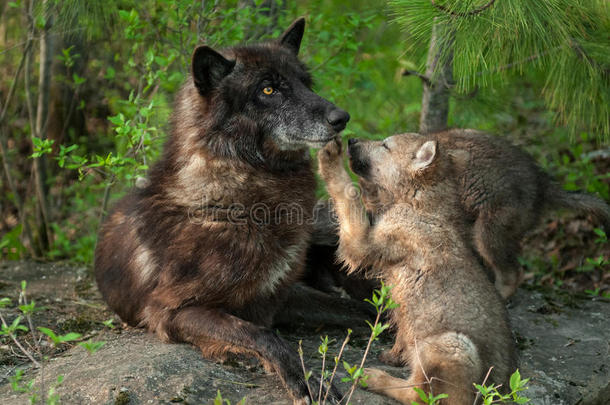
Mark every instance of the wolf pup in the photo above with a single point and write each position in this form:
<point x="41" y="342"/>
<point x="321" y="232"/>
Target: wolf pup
<point x="451" y="326"/>
<point x="205" y="253"/>
<point x="504" y="194"/>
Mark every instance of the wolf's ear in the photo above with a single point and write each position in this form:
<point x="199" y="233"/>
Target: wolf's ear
<point x="209" y="68"/>
<point x="424" y="156"/>
<point x="291" y="38"/>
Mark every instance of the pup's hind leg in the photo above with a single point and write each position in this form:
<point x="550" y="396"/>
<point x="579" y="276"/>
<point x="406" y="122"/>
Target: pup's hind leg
<point x="401" y="390"/>
<point x="442" y="364"/>
<point x="394" y="356"/>
<point x="497" y="239"/>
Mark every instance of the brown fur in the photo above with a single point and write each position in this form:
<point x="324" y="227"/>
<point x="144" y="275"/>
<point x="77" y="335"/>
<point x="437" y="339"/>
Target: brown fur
<point x="503" y="194"/>
<point x="451" y="324"/>
<point x="205" y="252"/>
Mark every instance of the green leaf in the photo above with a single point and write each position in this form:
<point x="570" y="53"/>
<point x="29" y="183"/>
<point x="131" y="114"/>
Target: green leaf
<point x="69" y="337"/>
<point x="482" y="389"/>
<point x="422" y="394"/>
<point x="41" y="146"/>
<point x="5" y="302"/>
<point x="110" y="73"/>
<point x="109" y="323"/>
<point x="438" y="397"/>
<point x="15" y="323"/>
<point x="50" y="334"/>
<point x="78" y="80"/>
<point x="91" y="346"/>
<point x="515" y="380"/>
<point x="29" y="308"/>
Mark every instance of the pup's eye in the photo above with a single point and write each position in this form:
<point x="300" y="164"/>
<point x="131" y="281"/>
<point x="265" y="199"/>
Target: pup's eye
<point x="385" y="146"/>
<point x="268" y="90"/>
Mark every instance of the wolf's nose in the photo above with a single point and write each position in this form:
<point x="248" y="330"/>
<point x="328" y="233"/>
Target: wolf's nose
<point x="352" y="141"/>
<point x="338" y="118"/>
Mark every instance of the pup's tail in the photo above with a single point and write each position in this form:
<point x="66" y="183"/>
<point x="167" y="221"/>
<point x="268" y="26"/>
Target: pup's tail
<point x="587" y="204"/>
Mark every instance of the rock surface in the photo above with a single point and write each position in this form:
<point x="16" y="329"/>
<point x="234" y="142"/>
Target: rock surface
<point x="564" y="348"/>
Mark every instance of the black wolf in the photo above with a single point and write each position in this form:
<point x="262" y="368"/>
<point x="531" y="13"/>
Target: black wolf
<point x="204" y="253"/>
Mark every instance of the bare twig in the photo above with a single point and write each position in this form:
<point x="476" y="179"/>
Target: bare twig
<point x="476" y="398"/>
<point x="322" y="378"/>
<point x="11" y="90"/>
<point x="9" y="372"/>
<point x="405" y="386"/>
<point x="106" y="197"/>
<point x="71" y="109"/>
<point x="415" y="73"/>
<point x="3" y="140"/>
<point x="421" y="364"/>
<point x="304" y="369"/>
<point x="366" y="352"/>
<point x="476" y="11"/>
<point x="23" y="349"/>
<point x="332" y="376"/>
<point x="23" y="299"/>
<point x="55" y="34"/>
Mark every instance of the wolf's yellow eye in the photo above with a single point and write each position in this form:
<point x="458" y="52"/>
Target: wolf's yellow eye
<point x="268" y="90"/>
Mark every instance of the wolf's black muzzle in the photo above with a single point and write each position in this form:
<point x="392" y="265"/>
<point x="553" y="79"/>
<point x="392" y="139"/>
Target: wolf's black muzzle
<point x="337" y="118"/>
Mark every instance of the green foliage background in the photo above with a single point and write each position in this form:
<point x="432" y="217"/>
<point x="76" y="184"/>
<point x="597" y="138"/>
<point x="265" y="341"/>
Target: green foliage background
<point x="118" y="64"/>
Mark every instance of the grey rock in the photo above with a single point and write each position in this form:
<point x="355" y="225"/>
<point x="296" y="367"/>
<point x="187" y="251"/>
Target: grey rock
<point x="136" y="368"/>
<point x="564" y="349"/>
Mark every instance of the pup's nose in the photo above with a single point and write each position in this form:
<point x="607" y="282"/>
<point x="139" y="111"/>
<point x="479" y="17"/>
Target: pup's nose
<point x="338" y="118"/>
<point x="352" y="141"/>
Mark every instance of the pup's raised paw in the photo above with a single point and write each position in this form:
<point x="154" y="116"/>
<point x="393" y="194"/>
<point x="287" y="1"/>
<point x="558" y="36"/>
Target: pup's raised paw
<point x="331" y="152"/>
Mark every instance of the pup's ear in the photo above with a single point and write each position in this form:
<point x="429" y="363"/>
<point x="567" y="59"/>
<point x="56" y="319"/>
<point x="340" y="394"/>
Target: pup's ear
<point x="424" y="156"/>
<point x="291" y="38"/>
<point x="209" y="68"/>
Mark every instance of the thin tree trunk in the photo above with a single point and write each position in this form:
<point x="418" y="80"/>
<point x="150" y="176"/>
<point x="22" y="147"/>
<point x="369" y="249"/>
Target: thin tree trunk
<point x="4" y="155"/>
<point x="439" y="71"/>
<point x="42" y="115"/>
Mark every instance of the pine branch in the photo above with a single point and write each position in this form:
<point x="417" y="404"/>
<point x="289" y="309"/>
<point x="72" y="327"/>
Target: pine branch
<point x="463" y="13"/>
<point x="519" y="62"/>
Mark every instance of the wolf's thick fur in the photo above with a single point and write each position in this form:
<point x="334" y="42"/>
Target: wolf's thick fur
<point x="451" y="324"/>
<point x="503" y="193"/>
<point x="205" y="253"/>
